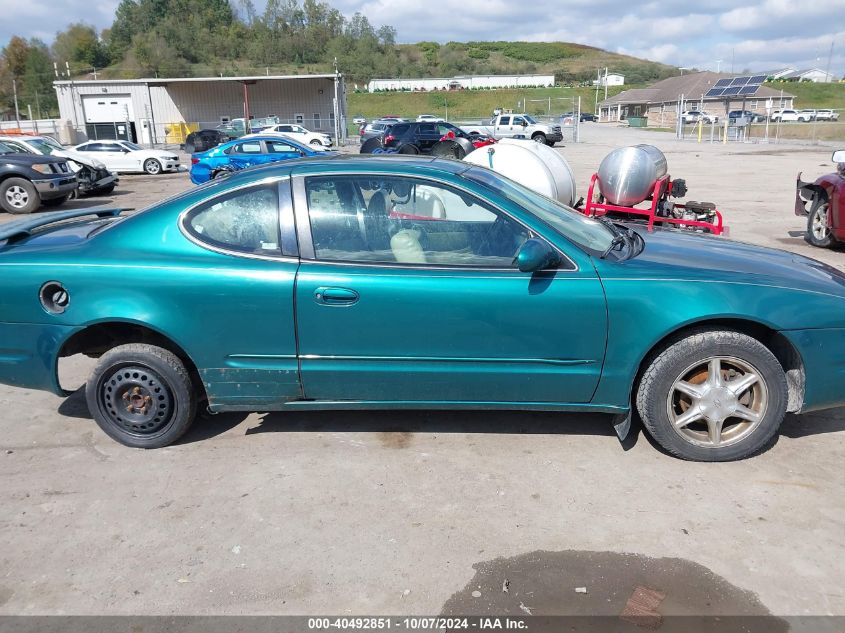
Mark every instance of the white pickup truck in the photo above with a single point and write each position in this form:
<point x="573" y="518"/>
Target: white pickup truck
<point x="517" y="126"/>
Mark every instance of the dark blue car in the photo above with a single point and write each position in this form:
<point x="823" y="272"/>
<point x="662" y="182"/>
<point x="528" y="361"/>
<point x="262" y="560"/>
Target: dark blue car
<point x="247" y="152"/>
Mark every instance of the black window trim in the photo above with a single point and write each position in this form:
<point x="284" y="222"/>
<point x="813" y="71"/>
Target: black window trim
<point x="288" y="244"/>
<point x="306" y="240"/>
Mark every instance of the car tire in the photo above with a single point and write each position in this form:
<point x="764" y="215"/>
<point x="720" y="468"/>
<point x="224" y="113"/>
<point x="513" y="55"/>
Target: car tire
<point x="818" y="231"/>
<point x="713" y="396"/>
<point x="539" y="138"/>
<point x="408" y="148"/>
<point x="316" y="143"/>
<point x="18" y="195"/>
<point x="141" y="396"/>
<point x="104" y="191"/>
<point x="55" y="202"/>
<point x="152" y="167"/>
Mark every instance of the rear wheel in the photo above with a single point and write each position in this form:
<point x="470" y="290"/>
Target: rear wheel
<point x="152" y="166"/>
<point x="818" y="228"/>
<point x="141" y="396"/>
<point x="713" y="396"/>
<point x="18" y="195"/>
<point x="104" y="191"/>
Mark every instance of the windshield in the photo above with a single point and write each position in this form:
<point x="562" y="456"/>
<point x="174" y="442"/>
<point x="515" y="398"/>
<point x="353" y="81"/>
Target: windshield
<point x="42" y="146"/>
<point x="531" y="120"/>
<point x="131" y="146"/>
<point x="586" y="232"/>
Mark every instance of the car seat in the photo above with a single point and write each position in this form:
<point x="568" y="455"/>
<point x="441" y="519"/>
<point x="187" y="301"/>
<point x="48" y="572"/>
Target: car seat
<point x="424" y="203"/>
<point x="406" y="247"/>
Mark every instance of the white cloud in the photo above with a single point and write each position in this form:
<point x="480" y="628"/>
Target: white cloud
<point x="758" y="34"/>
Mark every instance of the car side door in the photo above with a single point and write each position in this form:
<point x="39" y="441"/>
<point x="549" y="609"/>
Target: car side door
<point x="503" y="129"/>
<point x="280" y="150"/>
<point x="408" y="292"/>
<point x="426" y="136"/>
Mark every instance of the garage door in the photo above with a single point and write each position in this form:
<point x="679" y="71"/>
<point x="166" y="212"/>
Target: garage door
<point x="107" y="108"/>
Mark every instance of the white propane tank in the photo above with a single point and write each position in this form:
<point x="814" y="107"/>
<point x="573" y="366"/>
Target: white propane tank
<point x="531" y="164"/>
<point x="627" y="175"/>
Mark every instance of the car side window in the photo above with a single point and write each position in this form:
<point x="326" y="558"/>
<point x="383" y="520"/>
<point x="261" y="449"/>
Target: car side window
<point x="505" y="120"/>
<point x="400" y="220"/>
<point x="246" y="221"/>
<point x="280" y="147"/>
<point x="426" y="129"/>
<point x="17" y="147"/>
<point x="248" y="147"/>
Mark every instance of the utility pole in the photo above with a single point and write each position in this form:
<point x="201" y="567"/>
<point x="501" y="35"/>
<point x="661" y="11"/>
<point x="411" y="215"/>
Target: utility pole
<point x="38" y="105"/>
<point x="336" y="105"/>
<point x="605" y="83"/>
<point x="828" y="78"/>
<point x="72" y="97"/>
<point x="17" y="112"/>
<point x="598" y="87"/>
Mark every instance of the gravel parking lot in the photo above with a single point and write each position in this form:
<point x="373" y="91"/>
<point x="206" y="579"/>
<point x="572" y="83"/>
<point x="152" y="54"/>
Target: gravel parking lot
<point x="429" y="512"/>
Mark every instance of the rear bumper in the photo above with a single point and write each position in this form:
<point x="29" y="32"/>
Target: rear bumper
<point x="822" y="353"/>
<point x="29" y="354"/>
<point x="55" y="187"/>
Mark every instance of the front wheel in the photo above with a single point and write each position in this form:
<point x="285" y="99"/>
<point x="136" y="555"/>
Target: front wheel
<point x="18" y="195"/>
<point x="316" y="143"/>
<point x="141" y="396"/>
<point x="152" y="166"/>
<point x="713" y="396"/>
<point x="539" y="138"/>
<point x="818" y="228"/>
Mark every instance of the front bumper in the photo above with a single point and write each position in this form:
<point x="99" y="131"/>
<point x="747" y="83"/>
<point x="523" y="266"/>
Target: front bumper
<point x="822" y="353"/>
<point x="55" y="187"/>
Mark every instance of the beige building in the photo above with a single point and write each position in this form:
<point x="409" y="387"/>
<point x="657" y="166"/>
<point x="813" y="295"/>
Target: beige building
<point x="152" y="111"/>
<point x="659" y="102"/>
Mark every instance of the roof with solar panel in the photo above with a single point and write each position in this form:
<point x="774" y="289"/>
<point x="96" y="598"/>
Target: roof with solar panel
<point x="705" y="85"/>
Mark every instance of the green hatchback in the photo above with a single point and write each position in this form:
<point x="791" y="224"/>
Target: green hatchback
<point x="415" y="283"/>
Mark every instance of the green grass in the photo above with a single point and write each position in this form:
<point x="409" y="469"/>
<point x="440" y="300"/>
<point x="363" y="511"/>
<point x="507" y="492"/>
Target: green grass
<point x="470" y="104"/>
<point x="810" y="95"/>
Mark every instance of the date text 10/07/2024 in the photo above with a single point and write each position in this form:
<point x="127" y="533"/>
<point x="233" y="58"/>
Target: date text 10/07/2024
<point x="417" y="623"/>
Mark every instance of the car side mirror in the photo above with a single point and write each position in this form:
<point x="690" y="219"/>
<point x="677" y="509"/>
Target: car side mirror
<point x="838" y="156"/>
<point x="536" y="255"/>
<point x="524" y="123"/>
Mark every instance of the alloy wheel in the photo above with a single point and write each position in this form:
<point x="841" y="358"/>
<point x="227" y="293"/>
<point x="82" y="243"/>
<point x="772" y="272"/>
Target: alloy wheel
<point x="819" y="223"/>
<point x="17" y="196"/>
<point x="717" y="402"/>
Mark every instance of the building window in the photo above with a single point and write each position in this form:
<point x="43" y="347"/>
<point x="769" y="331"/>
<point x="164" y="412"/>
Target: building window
<point x="317" y="122"/>
<point x="331" y="120"/>
<point x="299" y="118"/>
<point x="753" y="104"/>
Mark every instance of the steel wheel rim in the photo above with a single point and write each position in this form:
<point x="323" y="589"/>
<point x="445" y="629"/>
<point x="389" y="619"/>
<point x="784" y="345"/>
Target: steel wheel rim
<point x="152" y="167"/>
<point x="717" y="402"/>
<point x="17" y="196"/>
<point x="136" y="400"/>
<point x="820" y="229"/>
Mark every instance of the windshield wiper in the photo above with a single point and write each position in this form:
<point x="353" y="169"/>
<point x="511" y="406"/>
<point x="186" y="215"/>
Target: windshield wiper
<point x="621" y="238"/>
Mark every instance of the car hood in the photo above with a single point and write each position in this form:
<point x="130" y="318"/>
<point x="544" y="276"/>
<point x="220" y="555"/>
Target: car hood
<point x="79" y="157"/>
<point x="31" y="159"/>
<point x="680" y="254"/>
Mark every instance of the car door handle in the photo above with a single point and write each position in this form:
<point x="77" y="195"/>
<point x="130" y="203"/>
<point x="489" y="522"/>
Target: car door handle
<point x="335" y="296"/>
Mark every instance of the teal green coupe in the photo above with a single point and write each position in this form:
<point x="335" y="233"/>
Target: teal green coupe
<point x="407" y="282"/>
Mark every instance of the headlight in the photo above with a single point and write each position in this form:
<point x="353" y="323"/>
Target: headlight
<point x="42" y="168"/>
<point x="98" y="164"/>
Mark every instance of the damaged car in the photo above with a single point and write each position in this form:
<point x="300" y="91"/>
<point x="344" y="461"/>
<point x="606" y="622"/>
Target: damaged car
<point x="93" y="177"/>
<point x="300" y="285"/>
<point x="823" y="203"/>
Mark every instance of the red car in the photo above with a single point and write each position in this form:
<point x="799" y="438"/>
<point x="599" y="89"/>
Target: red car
<point x="823" y="202"/>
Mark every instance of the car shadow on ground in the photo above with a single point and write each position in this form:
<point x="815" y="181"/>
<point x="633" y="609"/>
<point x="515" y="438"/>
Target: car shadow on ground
<point x="401" y="422"/>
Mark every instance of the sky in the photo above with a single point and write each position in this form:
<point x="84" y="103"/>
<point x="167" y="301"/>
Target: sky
<point x="717" y="35"/>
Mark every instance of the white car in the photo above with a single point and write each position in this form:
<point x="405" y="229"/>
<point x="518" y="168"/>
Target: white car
<point x="93" y="176"/>
<point x="694" y="116"/>
<point x="430" y="118"/>
<point x="827" y="115"/>
<point x="298" y="133"/>
<point x="791" y="115"/>
<point x="125" y="156"/>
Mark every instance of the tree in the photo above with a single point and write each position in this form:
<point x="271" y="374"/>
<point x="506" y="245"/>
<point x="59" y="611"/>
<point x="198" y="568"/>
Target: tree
<point x="80" y="44"/>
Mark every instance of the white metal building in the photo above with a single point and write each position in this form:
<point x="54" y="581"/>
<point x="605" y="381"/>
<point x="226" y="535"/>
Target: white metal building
<point x="161" y="110"/>
<point x="463" y="82"/>
<point x="611" y="79"/>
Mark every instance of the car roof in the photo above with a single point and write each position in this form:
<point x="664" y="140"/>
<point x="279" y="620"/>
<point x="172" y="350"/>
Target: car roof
<point x="351" y="163"/>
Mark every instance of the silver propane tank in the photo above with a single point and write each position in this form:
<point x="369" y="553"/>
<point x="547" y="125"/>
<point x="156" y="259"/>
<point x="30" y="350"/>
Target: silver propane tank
<point x="627" y="175"/>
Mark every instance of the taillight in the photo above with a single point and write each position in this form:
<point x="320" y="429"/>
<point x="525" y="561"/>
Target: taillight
<point x="389" y="139"/>
<point x="194" y="161"/>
